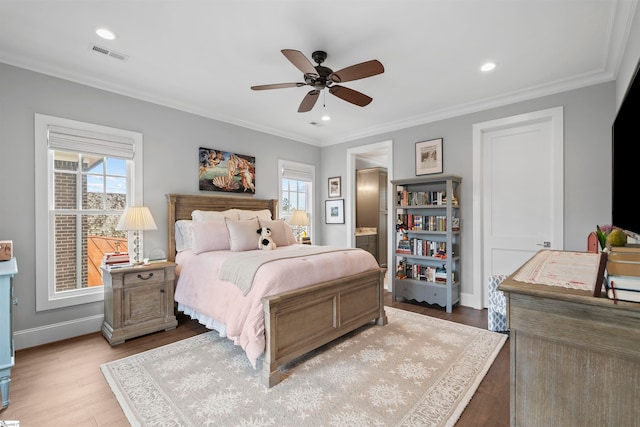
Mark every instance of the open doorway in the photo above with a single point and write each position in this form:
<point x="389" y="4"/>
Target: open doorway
<point x="378" y="155"/>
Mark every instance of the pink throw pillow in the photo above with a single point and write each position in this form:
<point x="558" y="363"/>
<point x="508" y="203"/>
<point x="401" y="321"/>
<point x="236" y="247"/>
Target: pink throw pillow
<point x="210" y="236"/>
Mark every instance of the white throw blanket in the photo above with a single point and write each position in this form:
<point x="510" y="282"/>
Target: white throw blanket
<point x="241" y="268"/>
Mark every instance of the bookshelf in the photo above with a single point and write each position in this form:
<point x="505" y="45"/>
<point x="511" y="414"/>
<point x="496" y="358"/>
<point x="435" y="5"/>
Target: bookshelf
<point x="427" y="249"/>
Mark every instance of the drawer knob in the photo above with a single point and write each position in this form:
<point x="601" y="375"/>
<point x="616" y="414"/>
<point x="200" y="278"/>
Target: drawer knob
<point x="162" y="290"/>
<point x="145" y="278"/>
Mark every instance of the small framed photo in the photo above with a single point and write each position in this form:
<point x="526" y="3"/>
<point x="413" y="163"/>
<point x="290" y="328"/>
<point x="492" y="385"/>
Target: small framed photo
<point x="335" y="186"/>
<point x="429" y="157"/>
<point x="334" y="212"/>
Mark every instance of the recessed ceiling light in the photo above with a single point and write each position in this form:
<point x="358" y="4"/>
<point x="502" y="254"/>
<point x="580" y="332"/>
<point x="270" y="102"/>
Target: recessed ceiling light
<point x="488" y="66"/>
<point x="105" y="34"/>
<point x="326" y="118"/>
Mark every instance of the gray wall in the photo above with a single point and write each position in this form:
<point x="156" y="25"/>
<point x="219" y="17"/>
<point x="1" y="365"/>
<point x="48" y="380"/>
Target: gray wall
<point x="171" y="141"/>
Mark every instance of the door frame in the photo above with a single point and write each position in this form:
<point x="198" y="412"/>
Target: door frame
<point x="350" y="202"/>
<point x="478" y="298"/>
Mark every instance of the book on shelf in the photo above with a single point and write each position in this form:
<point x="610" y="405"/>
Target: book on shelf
<point x="424" y="222"/>
<point x="112" y="257"/>
<point x="623" y="295"/>
<point x="420" y="198"/>
<point x="117" y="260"/>
<point x="627" y="283"/>
<point x="623" y="288"/>
<point x="120" y="265"/>
<point x="621" y="263"/>
<point x="629" y="248"/>
<point x="116" y="263"/>
<point x="404" y="247"/>
<point x="421" y="247"/>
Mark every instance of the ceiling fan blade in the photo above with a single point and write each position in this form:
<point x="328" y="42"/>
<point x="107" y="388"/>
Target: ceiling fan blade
<point x="301" y="62"/>
<point x="350" y="95"/>
<point x="277" y="86"/>
<point x="358" y="71"/>
<point x="309" y="101"/>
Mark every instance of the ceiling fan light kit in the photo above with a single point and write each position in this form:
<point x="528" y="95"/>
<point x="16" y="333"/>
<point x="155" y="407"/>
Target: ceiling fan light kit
<point x="320" y="77"/>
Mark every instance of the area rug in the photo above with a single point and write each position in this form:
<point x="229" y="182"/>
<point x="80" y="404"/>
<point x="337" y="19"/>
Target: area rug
<point x="415" y="371"/>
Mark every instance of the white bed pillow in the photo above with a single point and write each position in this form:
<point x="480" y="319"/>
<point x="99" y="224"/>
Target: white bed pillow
<point x="210" y="236"/>
<point x="243" y="234"/>
<point x="278" y="230"/>
<point x="203" y="216"/>
<point x="183" y="234"/>
<point x="260" y="214"/>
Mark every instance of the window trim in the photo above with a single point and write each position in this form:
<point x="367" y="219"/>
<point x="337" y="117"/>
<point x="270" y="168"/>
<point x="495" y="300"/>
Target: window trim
<point x="46" y="297"/>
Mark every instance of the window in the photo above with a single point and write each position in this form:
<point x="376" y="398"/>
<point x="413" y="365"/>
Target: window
<point x="85" y="177"/>
<point x="296" y="190"/>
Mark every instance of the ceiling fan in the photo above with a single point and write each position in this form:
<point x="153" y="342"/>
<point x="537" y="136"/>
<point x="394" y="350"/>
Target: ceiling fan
<point x="320" y="77"/>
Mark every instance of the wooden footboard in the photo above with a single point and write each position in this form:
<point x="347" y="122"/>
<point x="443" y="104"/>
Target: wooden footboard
<point x="299" y="321"/>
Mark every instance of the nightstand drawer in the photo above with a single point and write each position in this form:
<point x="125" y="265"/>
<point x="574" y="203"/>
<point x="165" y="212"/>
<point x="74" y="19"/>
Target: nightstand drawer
<point x="146" y="276"/>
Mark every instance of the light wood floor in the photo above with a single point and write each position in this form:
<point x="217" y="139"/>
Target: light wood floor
<point x="61" y="383"/>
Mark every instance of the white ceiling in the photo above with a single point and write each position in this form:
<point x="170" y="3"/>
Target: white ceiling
<point x="203" y="56"/>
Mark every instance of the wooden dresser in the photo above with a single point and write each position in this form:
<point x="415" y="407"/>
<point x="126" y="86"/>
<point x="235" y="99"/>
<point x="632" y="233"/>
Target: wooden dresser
<point x="138" y="300"/>
<point x="575" y="358"/>
<point x="7" y="270"/>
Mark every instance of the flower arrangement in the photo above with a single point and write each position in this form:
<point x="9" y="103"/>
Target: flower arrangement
<point x="603" y="233"/>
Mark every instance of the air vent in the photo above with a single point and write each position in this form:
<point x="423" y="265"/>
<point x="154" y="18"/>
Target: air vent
<point x="107" y="52"/>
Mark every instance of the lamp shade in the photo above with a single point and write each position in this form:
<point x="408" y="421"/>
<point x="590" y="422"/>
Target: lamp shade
<point x="136" y="218"/>
<point x="299" y="218"/>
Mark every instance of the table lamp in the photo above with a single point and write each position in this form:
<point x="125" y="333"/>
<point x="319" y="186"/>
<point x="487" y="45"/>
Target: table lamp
<point x="136" y="219"/>
<point x="299" y="219"/>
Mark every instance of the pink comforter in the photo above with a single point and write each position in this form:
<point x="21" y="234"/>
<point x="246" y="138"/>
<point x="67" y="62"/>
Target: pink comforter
<point x="199" y="288"/>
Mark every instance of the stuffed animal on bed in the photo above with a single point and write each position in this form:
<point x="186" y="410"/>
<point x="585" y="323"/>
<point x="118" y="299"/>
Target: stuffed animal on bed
<point x="266" y="242"/>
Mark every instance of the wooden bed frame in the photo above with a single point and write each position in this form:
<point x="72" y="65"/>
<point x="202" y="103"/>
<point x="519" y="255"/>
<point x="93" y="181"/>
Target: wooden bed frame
<point x="302" y="320"/>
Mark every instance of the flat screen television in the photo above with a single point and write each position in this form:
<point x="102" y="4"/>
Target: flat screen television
<point x="626" y="159"/>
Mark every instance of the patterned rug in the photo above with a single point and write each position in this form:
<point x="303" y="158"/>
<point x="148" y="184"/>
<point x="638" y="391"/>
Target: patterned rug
<point x="417" y="370"/>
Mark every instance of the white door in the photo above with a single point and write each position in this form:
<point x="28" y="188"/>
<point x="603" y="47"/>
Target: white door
<point x="518" y="192"/>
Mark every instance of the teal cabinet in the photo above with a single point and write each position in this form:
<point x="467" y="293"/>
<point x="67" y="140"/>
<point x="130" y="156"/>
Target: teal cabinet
<point x="7" y="270"/>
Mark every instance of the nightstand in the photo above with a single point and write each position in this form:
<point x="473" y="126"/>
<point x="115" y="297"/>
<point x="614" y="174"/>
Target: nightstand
<point x="138" y="300"/>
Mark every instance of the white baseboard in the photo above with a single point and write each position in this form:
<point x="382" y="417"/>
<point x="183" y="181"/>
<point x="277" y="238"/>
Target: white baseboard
<point x="470" y="300"/>
<point x="56" y="332"/>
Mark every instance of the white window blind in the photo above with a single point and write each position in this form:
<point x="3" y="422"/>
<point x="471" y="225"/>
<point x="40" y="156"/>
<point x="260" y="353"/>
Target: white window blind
<point x="76" y="140"/>
<point x="301" y="173"/>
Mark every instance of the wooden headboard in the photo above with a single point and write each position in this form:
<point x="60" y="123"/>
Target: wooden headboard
<point x="181" y="206"/>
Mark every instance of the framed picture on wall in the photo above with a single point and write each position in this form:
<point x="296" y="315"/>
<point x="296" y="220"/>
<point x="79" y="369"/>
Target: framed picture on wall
<point x="335" y="186"/>
<point x="429" y="157"/>
<point x="225" y="171"/>
<point x="334" y="211"/>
